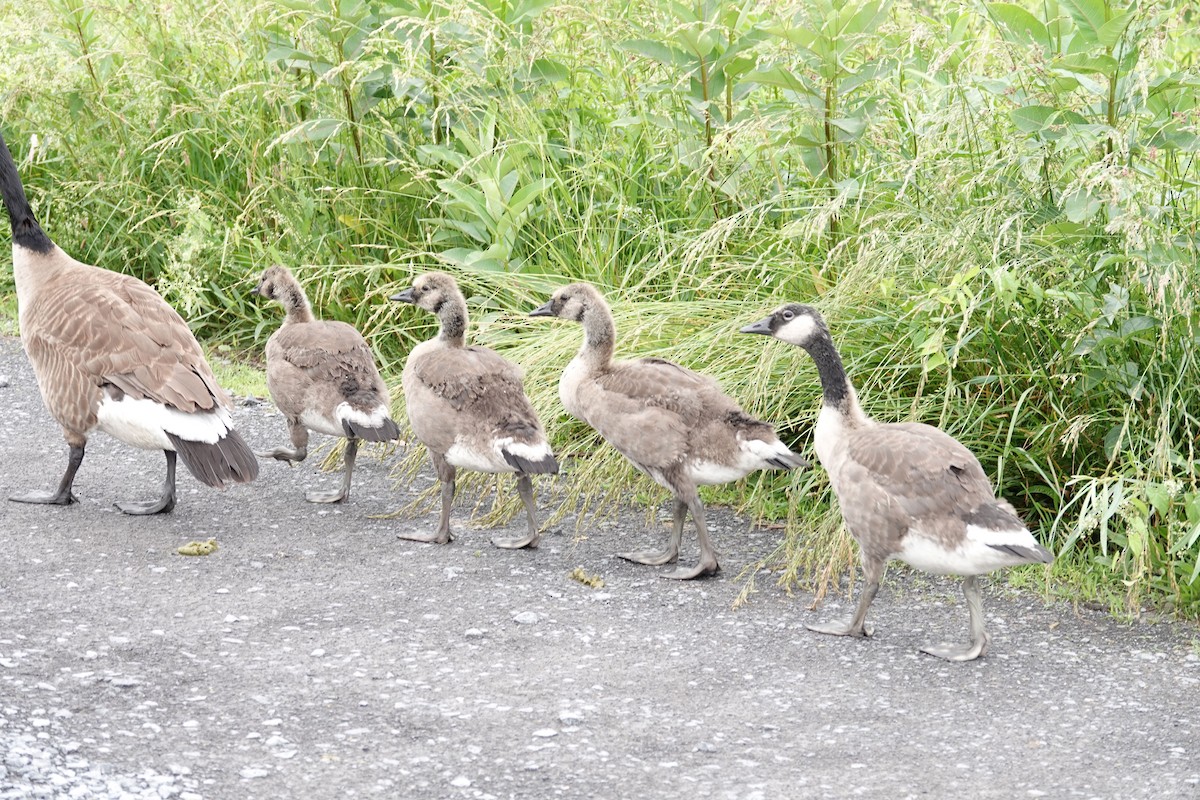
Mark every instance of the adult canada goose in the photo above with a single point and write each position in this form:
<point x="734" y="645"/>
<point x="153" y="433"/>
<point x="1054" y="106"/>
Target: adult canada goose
<point x="110" y="354"/>
<point x="467" y="405"/>
<point x="674" y="424"/>
<point x="322" y="376"/>
<point x="906" y="490"/>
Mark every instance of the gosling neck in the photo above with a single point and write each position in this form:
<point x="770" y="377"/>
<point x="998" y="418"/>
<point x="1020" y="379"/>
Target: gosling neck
<point x="599" y="338"/>
<point x="452" y="317"/>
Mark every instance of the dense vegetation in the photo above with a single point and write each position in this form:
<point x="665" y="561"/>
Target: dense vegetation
<point x="994" y="203"/>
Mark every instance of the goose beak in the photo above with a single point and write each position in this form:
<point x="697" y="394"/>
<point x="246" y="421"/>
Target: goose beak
<point x="763" y="326"/>
<point x="404" y="297"/>
<point x="543" y="310"/>
<point x="257" y="290"/>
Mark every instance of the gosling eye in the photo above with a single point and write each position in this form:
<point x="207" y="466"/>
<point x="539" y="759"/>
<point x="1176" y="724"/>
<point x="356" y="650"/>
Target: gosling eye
<point x="788" y="315"/>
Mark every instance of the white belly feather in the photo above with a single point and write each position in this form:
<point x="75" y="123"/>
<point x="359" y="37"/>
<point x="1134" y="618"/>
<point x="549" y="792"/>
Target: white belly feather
<point x="145" y="423"/>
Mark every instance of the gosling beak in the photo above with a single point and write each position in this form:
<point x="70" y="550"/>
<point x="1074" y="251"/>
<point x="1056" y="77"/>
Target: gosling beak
<point x="404" y="297"/>
<point x="543" y="310"/>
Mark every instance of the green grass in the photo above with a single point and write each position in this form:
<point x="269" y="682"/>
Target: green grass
<point x="995" y="208"/>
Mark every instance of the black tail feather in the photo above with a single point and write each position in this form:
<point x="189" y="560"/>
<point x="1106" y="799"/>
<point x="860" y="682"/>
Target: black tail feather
<point x="386" y="432"/>
<point x="25" y="229"/>
<point x="1033" y="556"/>
<point x="229" y="460"/>
<point x="546" y="466"/>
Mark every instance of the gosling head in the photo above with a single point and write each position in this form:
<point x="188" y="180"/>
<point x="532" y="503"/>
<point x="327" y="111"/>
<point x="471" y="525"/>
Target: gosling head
<point x="572" y="302"/>
<point x="278" y="284"/>
<point x="793" y="323"/>
<point x="434" y="292"/>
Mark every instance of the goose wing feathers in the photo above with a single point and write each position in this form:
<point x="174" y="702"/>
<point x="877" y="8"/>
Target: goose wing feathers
<point x="651" y="410"/>
<point x="117" y="330"/>
<point x="660" y="384"/>
<point x="325" y="350"/>
<point x="471" y="377"/>
<point x="923" y="470"/>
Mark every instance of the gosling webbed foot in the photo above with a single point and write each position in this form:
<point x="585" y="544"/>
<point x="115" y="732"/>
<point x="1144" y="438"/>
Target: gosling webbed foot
<point x="45" y="497"/>
<point x="847" y="628"/>
<point x="285" y="454"/>
<point x="334" y="496"/>
<point x="959" y="652"/>
<point x="704" y="568"/>
<point x="436" y="537"/>
<point x="529" y="540"/>
<point x="653" y="558"/>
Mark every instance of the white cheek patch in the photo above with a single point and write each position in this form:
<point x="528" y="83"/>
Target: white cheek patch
<point x="798" y="331"/>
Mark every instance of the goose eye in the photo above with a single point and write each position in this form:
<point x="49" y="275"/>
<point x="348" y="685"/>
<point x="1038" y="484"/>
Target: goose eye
<point x="788" y="315"/>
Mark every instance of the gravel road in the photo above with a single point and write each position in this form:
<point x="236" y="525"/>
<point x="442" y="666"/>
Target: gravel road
<point x="315" y="655"/>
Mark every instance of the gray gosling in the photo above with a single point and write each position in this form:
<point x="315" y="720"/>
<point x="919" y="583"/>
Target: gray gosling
<point x="322" y="376"/>
<point x="467" y="405"/>
<point x="110" y="355"/>
<point x="906" y="490"/>
<point x="673" y="424"/>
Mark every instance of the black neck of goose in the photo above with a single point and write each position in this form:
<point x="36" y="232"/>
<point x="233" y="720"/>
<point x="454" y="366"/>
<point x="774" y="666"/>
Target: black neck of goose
<point x="25" y="229"/>
<point x="453" y="318"/>
<point x="835" y="386"/>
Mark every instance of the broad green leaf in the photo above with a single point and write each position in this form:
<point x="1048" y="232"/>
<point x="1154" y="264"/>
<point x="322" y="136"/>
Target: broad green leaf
<point x="1135" y="324"/>
<point x="698" y="41"/>
<point x="526" y="195"/>
<point x="854" y="126"/>
<point x="1089" y="16"/>
<point x="313" y="130"/>
<point x="1047" y="123"/>
<point x="662" y="53"/>
<point x="1087" y="63"/>
<point x="1111" y="32"/>
<point x="867" y="18"/>
<point x="548" y="70"/>
<point x="1160" y="499"/>
<point x="468" y="197"/>
<point x="778" y="76"/>
<point x="1033" y="119"/>
<point x="1018" y="25"/>
<point x="1081" y="206"/>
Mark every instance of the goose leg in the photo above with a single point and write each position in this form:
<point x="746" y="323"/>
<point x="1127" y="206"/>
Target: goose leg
<point x="338" y="495"/>
<point x="656" y="558"/>
<point x="525" y="489"/>
<point x="708" y="555"/>
<point x="164" y="503"/>
<point x="299" y="449"/>
<point x="979" y="637"/>
<point x="857" y="625"/>
<point x="446" y="474"/>
<point x="62" y="496"/>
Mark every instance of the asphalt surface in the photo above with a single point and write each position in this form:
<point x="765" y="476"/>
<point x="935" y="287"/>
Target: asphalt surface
<point x="315" y="655"/>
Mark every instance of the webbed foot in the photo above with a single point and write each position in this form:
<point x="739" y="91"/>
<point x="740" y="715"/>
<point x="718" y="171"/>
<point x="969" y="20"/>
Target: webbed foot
<point x="705" y="567"/>
<point x="529" y="540"/>
<point x="653" y="558"/>
<point x="45" y="497"/>
<point x="847" y="628"/>
<point x="959" y="652"/>
<point x="437" y="537"/>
